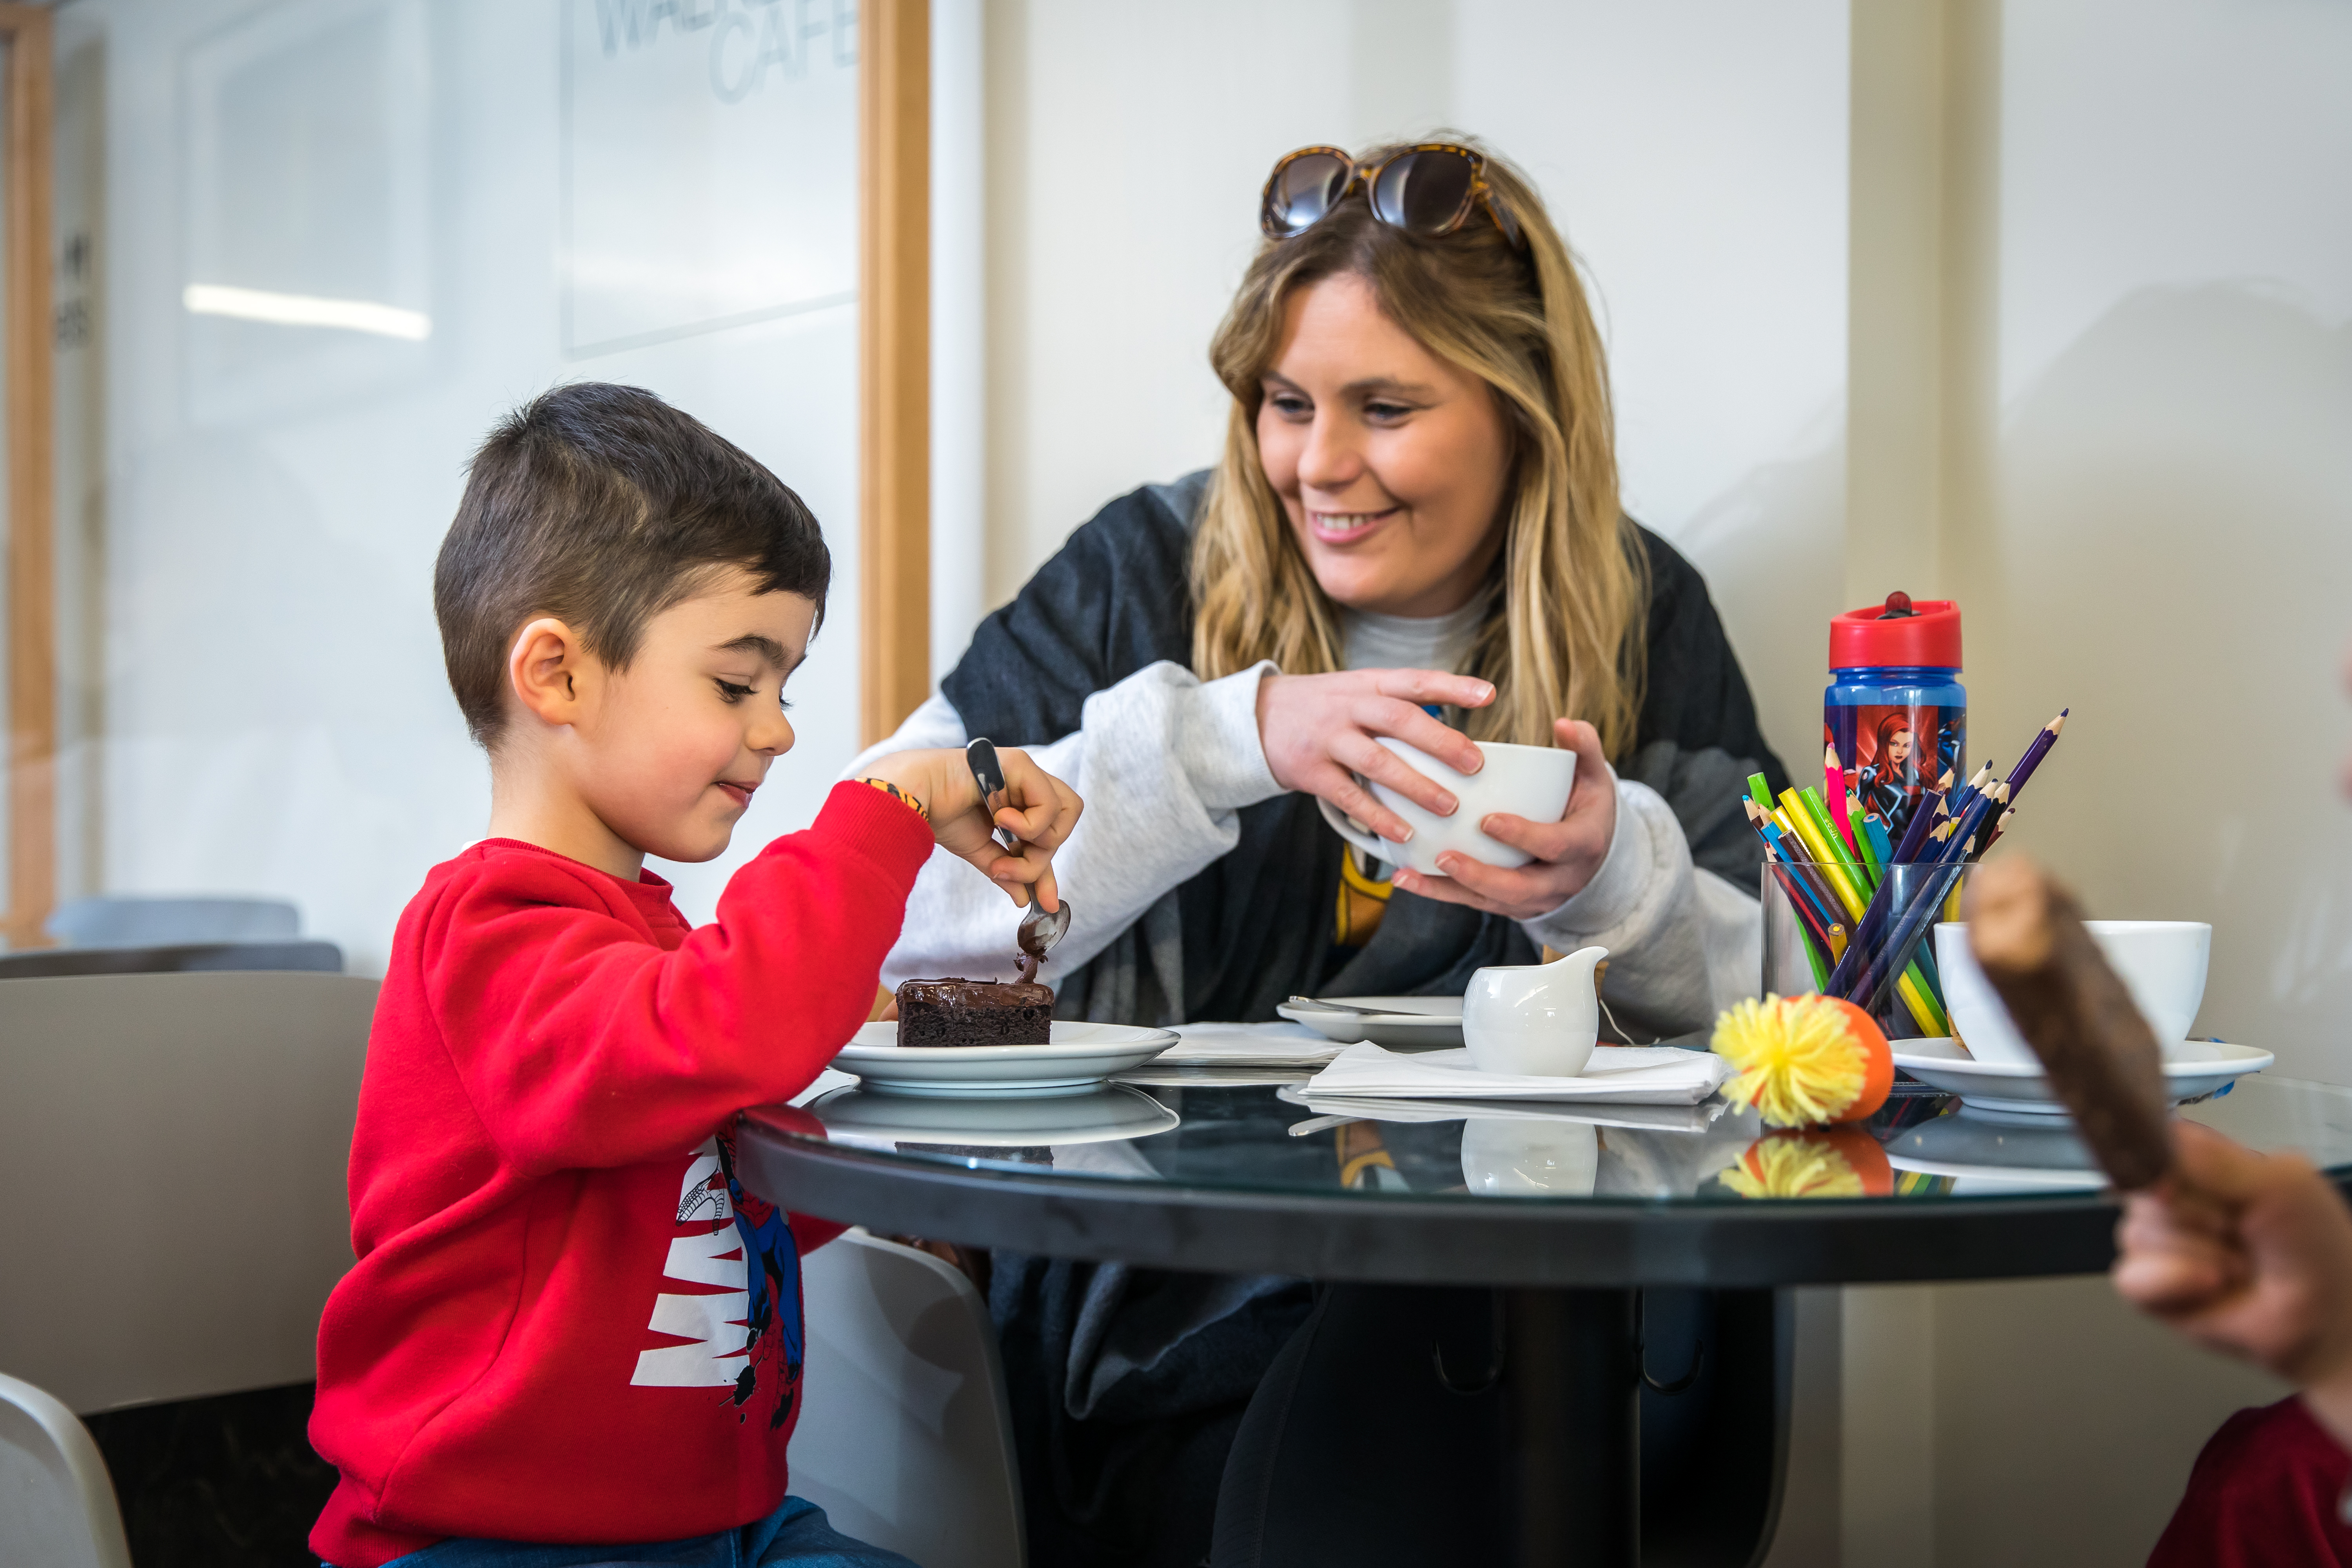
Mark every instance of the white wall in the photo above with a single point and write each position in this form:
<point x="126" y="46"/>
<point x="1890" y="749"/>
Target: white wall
<point x="275" y="719"/>
<point x="2173" y="535"/>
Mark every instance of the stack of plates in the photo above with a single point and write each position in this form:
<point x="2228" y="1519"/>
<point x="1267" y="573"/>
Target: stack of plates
<point x="1079" y="1059"/>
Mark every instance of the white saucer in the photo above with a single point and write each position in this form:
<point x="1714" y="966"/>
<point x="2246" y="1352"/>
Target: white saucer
<point x="1079" y="1058"/>
<point x="1401" y="1023"/>
<point x="1098" y="1115"/>
<point x="2040" y="1152"/>
<point x="2192" y="1068"/>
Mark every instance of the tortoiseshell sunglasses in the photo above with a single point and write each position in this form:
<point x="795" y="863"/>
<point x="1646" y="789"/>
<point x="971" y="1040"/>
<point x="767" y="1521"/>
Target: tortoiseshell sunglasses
<point x="1428" y="190"/>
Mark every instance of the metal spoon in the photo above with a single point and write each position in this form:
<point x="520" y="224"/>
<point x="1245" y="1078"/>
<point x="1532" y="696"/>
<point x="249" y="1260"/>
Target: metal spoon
<point x="1322" y="1006"/>
<point x="1038" y="932"/>
<point x="989" y="774"/>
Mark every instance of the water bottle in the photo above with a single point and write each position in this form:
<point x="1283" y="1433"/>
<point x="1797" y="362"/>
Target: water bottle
<point x="1895" y="710"/>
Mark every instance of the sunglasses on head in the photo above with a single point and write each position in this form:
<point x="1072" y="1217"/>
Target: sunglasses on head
<point x="1428" y="190"/>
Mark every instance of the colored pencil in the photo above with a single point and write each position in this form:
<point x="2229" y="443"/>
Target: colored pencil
<point x="1782" y="848"/>
<point x="1865" y="847"/>
<point x="1758" y="791"/>
<point x="1895" y="953"/>
<point x="2036" y="752"/>
<point x="1812" y="832"/>
<point x="1999" y="828"/>
<point x="1875" y="827"/>
<point x="1834" y="791"/>
<point x="1809" y="906"/>
<point x="1914" y="832"/>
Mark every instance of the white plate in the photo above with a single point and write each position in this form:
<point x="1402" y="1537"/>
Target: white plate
<point x="2192" y="1068"/>
<point x="1081" y="1056"/>
<point x="1401" y="1023"/>
<point x="2041" y="1153"/>
<point x="1097" y="1115"/>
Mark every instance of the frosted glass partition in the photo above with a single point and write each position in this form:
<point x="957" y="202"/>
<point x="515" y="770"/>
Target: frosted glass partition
<point x="325" y="244"/>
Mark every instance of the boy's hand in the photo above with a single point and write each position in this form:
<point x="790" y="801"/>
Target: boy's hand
<point x="1040" y="810"/>
<point x="2249" y="1254"/>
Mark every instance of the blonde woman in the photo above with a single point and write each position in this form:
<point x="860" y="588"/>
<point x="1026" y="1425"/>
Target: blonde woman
<point x="1416" y="505"/>
<point x="1413" y="531"/>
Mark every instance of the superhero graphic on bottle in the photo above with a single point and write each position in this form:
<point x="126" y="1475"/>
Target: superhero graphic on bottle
<point x="1891" y="773"/>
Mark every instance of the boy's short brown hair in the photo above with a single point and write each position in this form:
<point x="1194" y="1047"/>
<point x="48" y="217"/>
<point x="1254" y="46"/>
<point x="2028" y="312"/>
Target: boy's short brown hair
<point x="602" y="506"/>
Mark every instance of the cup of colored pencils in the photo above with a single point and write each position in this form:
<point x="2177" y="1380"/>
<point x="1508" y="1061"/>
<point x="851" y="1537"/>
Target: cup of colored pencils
<point x="1848" y="905"/>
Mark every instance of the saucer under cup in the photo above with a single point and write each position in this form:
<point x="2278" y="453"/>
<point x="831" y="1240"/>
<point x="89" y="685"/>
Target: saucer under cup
<point x="1532" y="782"/>
<point x="2162" y="964"/>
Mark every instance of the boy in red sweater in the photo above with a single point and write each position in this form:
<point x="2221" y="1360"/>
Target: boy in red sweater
<point x="571" y="1336"/>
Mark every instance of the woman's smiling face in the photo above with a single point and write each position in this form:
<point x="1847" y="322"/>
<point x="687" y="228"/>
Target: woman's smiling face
<point x="1391" y="463"/>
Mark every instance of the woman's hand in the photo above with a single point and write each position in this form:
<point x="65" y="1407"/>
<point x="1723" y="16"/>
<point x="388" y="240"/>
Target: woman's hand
<point x="2251" y="1254"/>
<point x="1319" y="731"/>
<point x="1568" y="853"/>
<point x="1039" y="809"/>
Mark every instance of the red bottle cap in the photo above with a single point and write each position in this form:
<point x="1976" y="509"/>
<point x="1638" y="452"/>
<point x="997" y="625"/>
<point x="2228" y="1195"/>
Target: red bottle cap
<point x="1883" y="634"/>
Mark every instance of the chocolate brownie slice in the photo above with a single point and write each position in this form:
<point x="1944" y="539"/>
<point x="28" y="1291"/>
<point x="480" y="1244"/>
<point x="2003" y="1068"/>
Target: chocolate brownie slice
<point x="974" y="1012"/>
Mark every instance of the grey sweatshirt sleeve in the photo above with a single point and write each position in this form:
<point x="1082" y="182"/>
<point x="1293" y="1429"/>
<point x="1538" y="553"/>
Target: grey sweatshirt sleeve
<point x="1164" y="760"/>
<point x="1682" y="942"/>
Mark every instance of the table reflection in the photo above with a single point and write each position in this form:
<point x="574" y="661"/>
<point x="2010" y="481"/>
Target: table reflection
<point x="1276" y="1138"/>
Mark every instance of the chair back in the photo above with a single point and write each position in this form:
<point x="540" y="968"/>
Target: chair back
<point x="56" y="1503"/>
<point x="324" y="957"/>
<point x="115" y="920"/>
<point x="174" y="1157"/>
<point x="905" y="1436"/>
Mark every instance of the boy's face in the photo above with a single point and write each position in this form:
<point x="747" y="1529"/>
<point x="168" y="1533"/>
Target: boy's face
<point x="672" y="747"/>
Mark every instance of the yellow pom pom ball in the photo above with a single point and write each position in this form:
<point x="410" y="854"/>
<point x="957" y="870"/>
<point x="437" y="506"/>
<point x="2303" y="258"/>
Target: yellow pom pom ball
<point x="1804" y="1060"/>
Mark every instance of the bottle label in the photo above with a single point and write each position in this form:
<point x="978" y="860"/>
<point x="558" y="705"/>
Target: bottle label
<point x="1895" y="752"/>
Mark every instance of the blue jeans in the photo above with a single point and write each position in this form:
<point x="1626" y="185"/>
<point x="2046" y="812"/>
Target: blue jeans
<point x="795" y="1534"/>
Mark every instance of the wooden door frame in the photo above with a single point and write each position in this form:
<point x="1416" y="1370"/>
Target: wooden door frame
<point x="894" y="363"/>
<point x="31" y="394"/>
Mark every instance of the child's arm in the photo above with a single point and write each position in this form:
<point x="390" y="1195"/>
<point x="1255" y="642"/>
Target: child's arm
<point x="580" y="1045"/>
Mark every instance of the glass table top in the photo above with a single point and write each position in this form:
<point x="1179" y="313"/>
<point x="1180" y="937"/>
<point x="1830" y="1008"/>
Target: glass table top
<point x="1259" y="1132"/>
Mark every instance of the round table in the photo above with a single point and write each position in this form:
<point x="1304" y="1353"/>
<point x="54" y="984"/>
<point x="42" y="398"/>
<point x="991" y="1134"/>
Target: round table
<point x="1567" y="1212"/>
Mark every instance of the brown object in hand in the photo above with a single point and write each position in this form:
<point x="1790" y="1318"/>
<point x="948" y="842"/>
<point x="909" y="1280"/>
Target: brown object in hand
<point x="2027" y="932"/>
<point x="974" y="1012"/>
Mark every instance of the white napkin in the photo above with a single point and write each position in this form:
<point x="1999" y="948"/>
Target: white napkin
<point x="1246" y="1045"/>
<point x="1637" y="1075"/>
<point x="1606" y="1113"/>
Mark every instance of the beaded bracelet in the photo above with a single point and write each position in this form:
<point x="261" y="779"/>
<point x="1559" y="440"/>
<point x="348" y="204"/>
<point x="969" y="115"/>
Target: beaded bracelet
<point x="901" y="796"/>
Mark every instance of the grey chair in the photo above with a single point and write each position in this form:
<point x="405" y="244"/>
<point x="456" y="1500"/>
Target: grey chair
<point x="115" y="920"/>
<point x="56" y="1503"/>
<point x="172" y="1158"/>
<point x="120" y="935"/>
<point x="906" y="1435"/>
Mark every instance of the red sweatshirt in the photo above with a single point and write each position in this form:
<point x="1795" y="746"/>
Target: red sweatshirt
<point x="552" y="1333"/>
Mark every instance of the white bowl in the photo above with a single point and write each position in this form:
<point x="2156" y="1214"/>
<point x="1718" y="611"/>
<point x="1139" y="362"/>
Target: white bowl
<point x="2162" y="964"/>
<point x="1532" y="782"/>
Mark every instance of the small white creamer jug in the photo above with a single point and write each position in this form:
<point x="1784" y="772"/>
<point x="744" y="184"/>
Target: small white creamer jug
<point x="1539" y="1020"/>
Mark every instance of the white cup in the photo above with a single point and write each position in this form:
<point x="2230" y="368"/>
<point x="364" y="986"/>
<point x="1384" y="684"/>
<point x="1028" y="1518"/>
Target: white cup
<point x="1534" y="1020"/>
<point x="1532" y="782"/>
<point x="2162" y="964"/>
<point x="1504" y="1156"/>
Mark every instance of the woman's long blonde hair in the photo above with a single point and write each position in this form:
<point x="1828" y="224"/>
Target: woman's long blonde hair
<point x="1564" y="635"/>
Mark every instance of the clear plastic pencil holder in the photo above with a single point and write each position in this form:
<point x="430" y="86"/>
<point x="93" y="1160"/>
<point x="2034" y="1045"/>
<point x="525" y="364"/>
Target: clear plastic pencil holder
<point x="1810" y="935"/>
